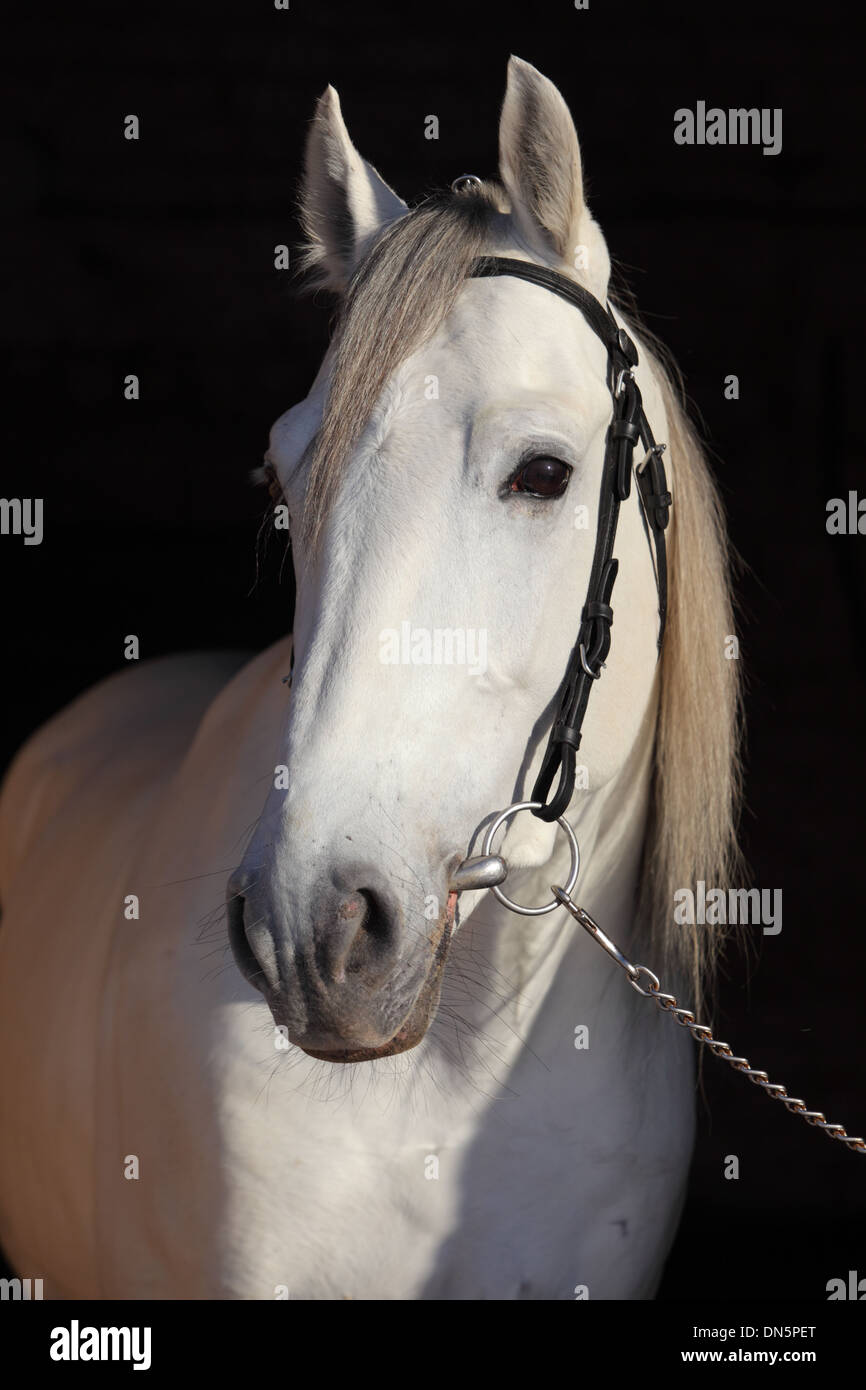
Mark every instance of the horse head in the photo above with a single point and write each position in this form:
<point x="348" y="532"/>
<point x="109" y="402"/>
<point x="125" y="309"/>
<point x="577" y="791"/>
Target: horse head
<point x="442" y="479"/>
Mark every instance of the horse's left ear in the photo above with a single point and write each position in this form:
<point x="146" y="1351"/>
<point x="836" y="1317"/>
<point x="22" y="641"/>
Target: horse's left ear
<point x="540" y="166"/>
<point x="344" y="202"/>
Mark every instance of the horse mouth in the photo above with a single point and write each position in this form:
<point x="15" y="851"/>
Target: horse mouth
<point x="420" y="1016"/>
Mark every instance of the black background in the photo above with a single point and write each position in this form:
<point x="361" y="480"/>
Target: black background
<point x="156" y="257"/>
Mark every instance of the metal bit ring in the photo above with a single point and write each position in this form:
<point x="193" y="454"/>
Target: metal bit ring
<point x="486" y="848"/>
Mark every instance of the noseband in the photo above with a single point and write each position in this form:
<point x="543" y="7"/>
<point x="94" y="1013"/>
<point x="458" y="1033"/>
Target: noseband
<point x="628" y="426"/>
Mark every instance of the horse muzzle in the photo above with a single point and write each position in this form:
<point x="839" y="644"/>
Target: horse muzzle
<point x="349" y="979"/>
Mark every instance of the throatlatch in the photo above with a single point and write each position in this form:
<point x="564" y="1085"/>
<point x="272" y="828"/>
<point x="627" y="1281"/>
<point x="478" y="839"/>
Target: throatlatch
<point x="628" y="426"/>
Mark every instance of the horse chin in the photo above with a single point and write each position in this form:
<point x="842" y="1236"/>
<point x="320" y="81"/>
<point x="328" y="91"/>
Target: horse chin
<point x="421" y="1015"/>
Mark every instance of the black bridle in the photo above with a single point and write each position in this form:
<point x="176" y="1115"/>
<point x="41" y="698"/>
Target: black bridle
<point x="628" y="426"/>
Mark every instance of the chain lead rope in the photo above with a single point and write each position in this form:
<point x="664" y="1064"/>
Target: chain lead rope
<point x="646" y="983"/>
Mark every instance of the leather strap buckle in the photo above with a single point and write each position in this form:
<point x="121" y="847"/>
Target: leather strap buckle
<point x="653" y="453"/>
<point x="627" y="374"/>
<point x="654" y="487"/>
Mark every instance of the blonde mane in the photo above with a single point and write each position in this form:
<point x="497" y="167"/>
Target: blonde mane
<point x="399" y="295"/>
<point x="697" y="775"/>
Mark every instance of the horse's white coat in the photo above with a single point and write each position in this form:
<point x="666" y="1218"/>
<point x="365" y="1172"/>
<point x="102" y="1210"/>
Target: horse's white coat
<point x="496" y="1159"/>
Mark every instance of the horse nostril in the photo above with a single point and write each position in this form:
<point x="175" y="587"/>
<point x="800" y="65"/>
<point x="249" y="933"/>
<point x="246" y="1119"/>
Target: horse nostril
<point x="377" y="922"/>
<point x="241" y="949"/>
<point x="363" y="939"/>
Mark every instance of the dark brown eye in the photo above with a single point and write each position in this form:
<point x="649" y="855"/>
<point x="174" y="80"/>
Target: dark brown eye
<point x="542" y="477"/>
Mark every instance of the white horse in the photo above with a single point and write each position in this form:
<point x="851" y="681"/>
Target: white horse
<point x="172" y="1129"/>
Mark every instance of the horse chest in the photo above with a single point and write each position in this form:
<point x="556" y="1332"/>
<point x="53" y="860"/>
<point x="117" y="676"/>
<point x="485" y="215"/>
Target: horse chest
<point x="358" y="1196"/>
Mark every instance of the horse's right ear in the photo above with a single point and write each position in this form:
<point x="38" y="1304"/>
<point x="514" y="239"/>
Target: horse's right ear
<point x="344" y="202"/>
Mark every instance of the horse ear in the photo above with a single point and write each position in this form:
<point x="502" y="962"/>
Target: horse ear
<point x="539" y="164"/>
<point x="344" y="202"/>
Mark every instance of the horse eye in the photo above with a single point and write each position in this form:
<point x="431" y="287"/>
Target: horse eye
<point x="542" y="477"/>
